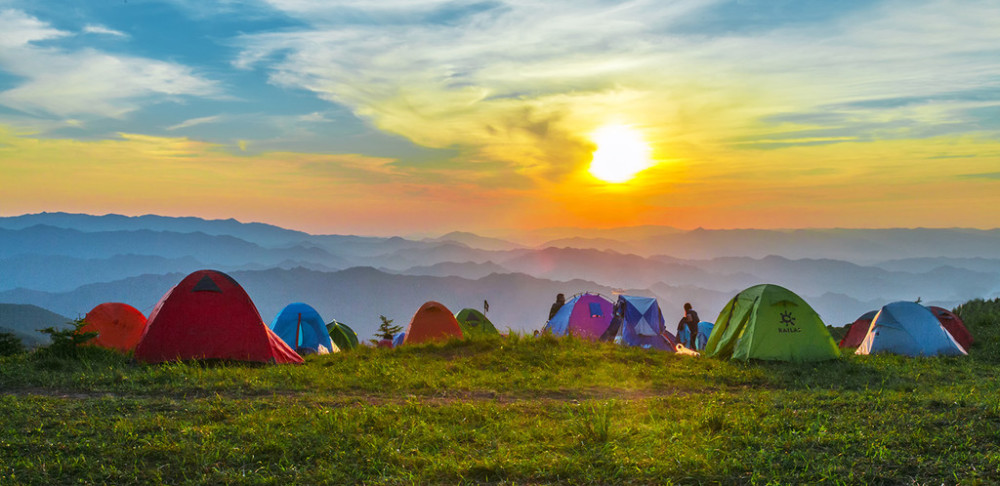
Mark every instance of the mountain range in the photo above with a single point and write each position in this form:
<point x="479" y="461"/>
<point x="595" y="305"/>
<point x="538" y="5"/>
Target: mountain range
<point x="67" y="263"/>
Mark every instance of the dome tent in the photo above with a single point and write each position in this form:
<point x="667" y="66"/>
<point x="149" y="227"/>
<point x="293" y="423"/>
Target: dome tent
<point x="475" y="323"/>
<point x="909" y="329"/>
<point x="770" y="322"/>
<point x="954" y="325"/>
<point x="585" y="315"/>
<point x="432" y="322"/>
<point x="342" y="335"/>
<point x="301" y="328"/>
<point x="857" y="332"/>
<point x="208" y="315"/>
<point x="118" y="326"/>
<point x="643" y="324"/>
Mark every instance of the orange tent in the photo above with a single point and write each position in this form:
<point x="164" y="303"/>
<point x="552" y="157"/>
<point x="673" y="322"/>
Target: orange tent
<point x="118" y="326"/>
<point x="432" y="322"/>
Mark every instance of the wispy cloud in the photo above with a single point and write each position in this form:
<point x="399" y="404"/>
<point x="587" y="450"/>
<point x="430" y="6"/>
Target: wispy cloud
<point x="100" y="29"/>
<point x="522" y="82"/>
<point x="85" y="81"/>
<point x="196" y="121"/>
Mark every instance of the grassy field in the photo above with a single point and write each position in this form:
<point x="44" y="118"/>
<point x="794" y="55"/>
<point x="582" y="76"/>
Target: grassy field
<point x="512" y="411"/>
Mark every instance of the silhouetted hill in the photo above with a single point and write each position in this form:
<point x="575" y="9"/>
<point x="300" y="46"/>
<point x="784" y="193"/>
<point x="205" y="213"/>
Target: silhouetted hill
<point x="920" y="265"/>
<point x="475" y="241"/>
<point x="259" y="233"/>
<point x="470" y="270"/>
<point x="210" y="249"/>
<point x="608" y="267"/>
<point x="24" y="321"/>
<point x="54" y="273"/>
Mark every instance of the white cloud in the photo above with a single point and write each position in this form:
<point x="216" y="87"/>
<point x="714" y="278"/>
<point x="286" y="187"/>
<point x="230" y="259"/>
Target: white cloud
<point x="196" y="121"/>
<point x="70" y="82"/>
<point x="100" y="29"/>
<point x="484" y="77"/>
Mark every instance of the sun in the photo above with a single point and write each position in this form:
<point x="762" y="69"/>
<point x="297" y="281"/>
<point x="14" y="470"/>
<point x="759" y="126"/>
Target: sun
<point x="621" y="154"/>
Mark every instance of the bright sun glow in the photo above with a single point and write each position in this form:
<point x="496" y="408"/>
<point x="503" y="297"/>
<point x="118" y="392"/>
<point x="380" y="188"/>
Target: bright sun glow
<point x="621" y="154"/>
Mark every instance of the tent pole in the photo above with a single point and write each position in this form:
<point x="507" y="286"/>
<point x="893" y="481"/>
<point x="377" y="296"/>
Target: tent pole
<point x="298" y="326"/>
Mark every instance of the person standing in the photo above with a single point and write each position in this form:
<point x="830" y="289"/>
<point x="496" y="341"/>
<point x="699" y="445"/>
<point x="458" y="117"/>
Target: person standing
<point x="690" y="320"/>
<point x="560" y="301"/>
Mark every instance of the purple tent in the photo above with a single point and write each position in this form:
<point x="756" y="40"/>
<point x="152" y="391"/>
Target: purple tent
<point x="586" y="316"/>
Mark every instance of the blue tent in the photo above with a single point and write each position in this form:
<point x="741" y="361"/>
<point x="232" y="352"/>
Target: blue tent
<point x="909" y="329"/>
<point x="704" y="331"/>
<point x="302" y="320"/>
<point x="397" y="339"/>
<point x="642" y="323"/>
<point x="585" y="316"/>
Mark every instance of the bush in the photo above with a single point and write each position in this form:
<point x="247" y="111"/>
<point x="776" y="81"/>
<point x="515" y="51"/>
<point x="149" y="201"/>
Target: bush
<point x="66" y="342"/>
<point x="10" y="344"/>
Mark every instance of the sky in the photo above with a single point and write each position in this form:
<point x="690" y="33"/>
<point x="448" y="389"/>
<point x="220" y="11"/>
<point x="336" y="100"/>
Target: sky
<point x="427" y="116"/>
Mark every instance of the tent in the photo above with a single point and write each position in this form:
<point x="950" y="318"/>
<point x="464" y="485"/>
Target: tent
<point x="433" y="321"/>
<point x="909" y="329"/>
<point x="475" y="323"/>
<point x="342" y="335"/>
<point x="585" y="315"/>
<point x="209" y="316"/>
<point x="954" y="325"/>
<point x="857" y="332"/>
<point x="704" y="331"/>
<point x="642" y="323"/>
<point x="397" y="339"/>
<point x="118" y="326"/>
<point x="770" y="322"/>
<point x="301" y="328"/>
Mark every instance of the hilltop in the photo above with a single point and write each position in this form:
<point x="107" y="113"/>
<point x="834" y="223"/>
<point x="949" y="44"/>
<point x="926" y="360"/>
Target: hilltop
<point x="505" y="411"/>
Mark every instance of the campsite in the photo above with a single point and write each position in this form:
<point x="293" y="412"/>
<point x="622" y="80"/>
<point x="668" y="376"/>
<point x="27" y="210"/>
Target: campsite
<point x="486" y="408"/>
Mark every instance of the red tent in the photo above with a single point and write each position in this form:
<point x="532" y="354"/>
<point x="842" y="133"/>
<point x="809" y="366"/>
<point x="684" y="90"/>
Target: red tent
<point x="432" y="322"/>
<point x="118" y="326"/>
<point x="209" y="316"/>
<point x="858" y="330"/>
<point x="954" y="325"/>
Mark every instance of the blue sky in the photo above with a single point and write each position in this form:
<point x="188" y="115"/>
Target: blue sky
<point x="441" y="99"/>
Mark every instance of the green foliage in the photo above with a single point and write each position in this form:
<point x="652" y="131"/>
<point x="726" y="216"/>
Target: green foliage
<point x="66" y="342"/>
<point x="386" y="330"/>
<point x="519" y="410"/>
<point x="10" y="344"/>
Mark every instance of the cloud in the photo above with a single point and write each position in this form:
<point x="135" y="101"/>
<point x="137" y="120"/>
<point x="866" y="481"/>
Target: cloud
<point x="196" y="121"/>
<point x="84" y="81"/>
<point x="521" y="83"/>
<point x="984" y="175"/>
<point x="100" y="29"/>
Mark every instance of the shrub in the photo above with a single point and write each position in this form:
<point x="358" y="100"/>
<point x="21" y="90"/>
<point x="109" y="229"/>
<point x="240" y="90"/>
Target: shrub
<point x="10" y="344"/>
<point x="66" y="342"/>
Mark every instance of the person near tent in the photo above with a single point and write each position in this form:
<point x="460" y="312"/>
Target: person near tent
<point x="690" y="320"/>
<point x="560" y="301"/>
<point x="618" y="313"/>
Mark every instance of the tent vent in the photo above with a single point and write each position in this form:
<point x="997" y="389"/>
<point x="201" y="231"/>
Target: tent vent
<point x="206" y="284"/>
<point x="595" y="310"/>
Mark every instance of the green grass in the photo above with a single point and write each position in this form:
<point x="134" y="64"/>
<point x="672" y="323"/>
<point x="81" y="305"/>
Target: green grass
<point x="516" y="411"/>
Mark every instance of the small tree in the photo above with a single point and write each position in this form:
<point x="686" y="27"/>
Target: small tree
<point x="66" y="341"/>
<point x="10" y="344"/>
<point x="386" y="330"/>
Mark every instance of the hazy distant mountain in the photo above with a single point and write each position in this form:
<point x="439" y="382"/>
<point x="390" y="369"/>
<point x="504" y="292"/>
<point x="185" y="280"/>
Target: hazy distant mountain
<point x="24" y="321"/>
<point x="921" y="265"/>
<point x="539" y="237"/>
<point x="437" y="253"/>
<point x="259" y="233"/>
<point x="475" y="241"/>
<point x="56" y="273"/>
<point x="211" y="249"/>
<point x="590" y="244"/>
<point x="470" y="270"/>
<point x="607" y="267"/>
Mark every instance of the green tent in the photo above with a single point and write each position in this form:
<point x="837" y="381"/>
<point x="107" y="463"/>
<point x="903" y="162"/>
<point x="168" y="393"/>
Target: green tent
<point x="342" y="335"/>
<point x="474" y="323"/>
<point x="769" y="322"/>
